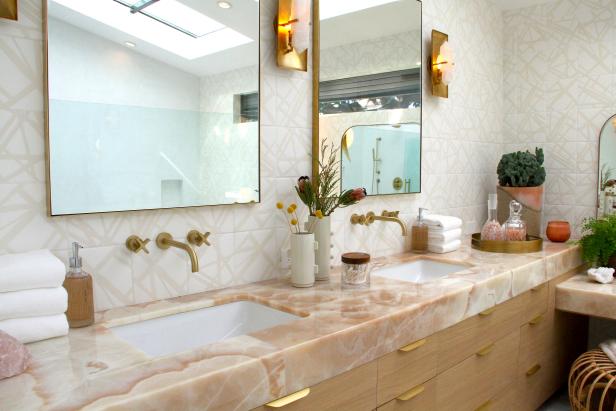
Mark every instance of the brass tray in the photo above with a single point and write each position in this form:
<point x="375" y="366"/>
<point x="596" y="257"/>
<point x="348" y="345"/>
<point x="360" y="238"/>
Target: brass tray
<point x="531" y="245"/>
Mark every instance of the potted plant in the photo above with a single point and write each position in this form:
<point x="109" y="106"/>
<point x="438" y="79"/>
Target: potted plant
<point x="599" y="241"/>
<point x="322" y="197"/>
<point x="520" y="177"/>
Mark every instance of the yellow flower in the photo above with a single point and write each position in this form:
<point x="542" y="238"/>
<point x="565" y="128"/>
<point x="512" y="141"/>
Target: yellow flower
<point x="293" y="222"/>
<point x="290" y="210"/>
<point x="318" y="214"/>
<point x="279" y="205"/>
<point x="293" y="206"/>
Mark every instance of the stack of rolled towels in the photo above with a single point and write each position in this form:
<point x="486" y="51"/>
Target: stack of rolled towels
<point x="444" y="233"/>
<point x="32" y="300"/>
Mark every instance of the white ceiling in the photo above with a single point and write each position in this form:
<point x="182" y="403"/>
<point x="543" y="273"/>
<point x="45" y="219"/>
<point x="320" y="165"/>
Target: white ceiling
<point x="518" y="4"/>
<point x="381" y="21"/>
<point x="243" y="17"/>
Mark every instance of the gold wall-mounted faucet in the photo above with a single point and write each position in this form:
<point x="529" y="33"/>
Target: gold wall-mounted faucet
<point x="135" y="244"/>
<point x="165" y="240"/>
<point x="197" y="238"/>
<point x="371" y="217"/>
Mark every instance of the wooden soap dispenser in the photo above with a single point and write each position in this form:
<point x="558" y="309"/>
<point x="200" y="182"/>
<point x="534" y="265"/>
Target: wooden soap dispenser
<point x="78" y="284"/>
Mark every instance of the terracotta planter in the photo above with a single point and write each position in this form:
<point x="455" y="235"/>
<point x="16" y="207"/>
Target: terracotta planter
<point x="532" y="200"/>
<point x="558" y="231"/>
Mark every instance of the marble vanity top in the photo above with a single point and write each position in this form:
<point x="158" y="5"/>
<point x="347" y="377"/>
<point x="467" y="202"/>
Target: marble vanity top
<point x="581" y="295"/>
<point x="93" y="369"/>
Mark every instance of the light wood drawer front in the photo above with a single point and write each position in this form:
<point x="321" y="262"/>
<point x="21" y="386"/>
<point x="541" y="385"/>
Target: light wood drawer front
<point x="354" y="390"/>
<point x="465" y="338"/>
<point x="537" y="382"/>
<point x="535" y="302"/>
<point x="480" y="377"/>
<point x="423" y="399"/>
<point x="403" y="369"/>
<point x="536" y="340"/>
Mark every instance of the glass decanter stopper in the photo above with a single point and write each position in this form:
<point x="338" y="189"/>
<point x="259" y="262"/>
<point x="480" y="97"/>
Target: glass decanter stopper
<point x="492" y="229"/>
<point x="515" y="227"/>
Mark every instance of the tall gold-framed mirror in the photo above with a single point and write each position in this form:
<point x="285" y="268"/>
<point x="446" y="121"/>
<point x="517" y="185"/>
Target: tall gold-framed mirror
<point x="367" y="83"/>
<point x="151" y="104"/>
<point x="607" y="169"/>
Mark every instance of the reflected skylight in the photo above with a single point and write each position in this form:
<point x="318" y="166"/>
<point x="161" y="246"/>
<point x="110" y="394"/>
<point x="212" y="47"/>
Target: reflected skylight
<point x="329" y="9"/>
<point x="210" y="36"/>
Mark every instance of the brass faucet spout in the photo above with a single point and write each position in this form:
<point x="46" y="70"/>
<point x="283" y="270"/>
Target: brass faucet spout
<point x="393" y="220"/>
<point x="165" y="240"/>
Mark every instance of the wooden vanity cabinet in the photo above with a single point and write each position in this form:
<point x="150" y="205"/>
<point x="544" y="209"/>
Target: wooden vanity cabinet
<point x="513" y="356"/>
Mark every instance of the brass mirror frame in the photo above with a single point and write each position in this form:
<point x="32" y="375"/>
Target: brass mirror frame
<point x="610" y="121"/>
<point x="45" y="17"/>
<point x="316" y="68"/>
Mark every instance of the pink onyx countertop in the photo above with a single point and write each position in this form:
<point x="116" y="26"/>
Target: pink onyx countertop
<point x="581" y="295"/>
<point x="93" y="369"/>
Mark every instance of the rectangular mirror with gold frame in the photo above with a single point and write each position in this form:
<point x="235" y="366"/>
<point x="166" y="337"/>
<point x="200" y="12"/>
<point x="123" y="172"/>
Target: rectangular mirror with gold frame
<point x="151" y="104"/>
<point x="367" y="75"/>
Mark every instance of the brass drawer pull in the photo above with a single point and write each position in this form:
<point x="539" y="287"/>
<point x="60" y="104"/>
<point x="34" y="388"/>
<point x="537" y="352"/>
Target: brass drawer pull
<point x="412" y="393"/>
<point x="485" y="350"/>
<point x="413" y="346"/>
<point x="487" y="312"/>
<point x="536" y="320"/>
<point x="296" y="396"/>
<point x="537" y="288"/>
<point x="485" y="406"/>
<point x="533" y="370"/>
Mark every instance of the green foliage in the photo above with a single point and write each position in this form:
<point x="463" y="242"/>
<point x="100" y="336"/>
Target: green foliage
<point x="521" y="169"/>
<point x="599" y="240"/>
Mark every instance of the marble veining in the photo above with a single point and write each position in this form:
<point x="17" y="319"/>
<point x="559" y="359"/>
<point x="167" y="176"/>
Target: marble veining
<point x="581" y="295"/>
<point x="340" y="330"/>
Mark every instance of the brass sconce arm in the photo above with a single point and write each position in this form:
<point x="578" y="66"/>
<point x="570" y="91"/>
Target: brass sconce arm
<point x="371" y="217"/>
<point x="165" y="240"/>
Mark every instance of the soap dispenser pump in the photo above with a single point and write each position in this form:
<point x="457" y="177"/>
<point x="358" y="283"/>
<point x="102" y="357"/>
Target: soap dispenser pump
<point x="419" y="234"/>
<point x="78" y="285"/>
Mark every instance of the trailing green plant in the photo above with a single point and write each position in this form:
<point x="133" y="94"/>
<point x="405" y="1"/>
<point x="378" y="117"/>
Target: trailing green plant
<point x="599" y="240"/>
<point x="521" y="169"/>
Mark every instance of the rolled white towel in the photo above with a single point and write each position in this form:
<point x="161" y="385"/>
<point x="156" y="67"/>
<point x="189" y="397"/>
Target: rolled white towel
<point x="443" y="221"/>
<point x="444" y="236"/>
<point x="33" y="329"/>
<point x="609" y="348"/>
<point x="33" y="303"/>
<point x="27" y="271"/>
<point x="444" y="248"/>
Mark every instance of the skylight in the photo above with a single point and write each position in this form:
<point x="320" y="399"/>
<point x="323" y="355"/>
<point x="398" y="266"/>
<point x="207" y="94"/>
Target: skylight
<point x="207" y="36"/>
<point x="329" y="9"/>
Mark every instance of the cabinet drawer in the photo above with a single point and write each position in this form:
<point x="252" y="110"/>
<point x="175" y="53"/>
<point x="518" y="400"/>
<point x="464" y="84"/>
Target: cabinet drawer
<point x="476" y="380"/>
<point x="421" y="397"/>
<point x="535" y="302"/>
<point x="537" y="382"/>
<point x="403" y="369"/>
<point x="353" y="390"/>
<point x="465" y="338"/>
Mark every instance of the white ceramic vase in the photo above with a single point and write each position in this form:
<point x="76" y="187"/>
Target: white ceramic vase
<point x="323" y="236"/>
<point x="303" y="268"/>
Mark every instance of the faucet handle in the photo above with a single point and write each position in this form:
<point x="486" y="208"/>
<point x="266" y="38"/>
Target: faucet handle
<point x="386" y="213"/>
<point x="135" y="244"/>
<point x="197" y="238"/>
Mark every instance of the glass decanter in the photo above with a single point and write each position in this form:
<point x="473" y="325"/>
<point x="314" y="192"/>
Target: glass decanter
<point x="492" y="229"/>
<point x="515" y="228"/>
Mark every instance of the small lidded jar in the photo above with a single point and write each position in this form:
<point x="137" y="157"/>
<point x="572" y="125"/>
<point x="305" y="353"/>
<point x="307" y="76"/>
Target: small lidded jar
<point x="515" y="227"/>
<point x="355" y="270"/>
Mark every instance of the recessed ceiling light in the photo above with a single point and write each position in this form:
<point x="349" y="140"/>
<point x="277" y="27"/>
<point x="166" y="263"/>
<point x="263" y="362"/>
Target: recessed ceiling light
<point x="224" y="4"/>
<point x="129" y="44"/>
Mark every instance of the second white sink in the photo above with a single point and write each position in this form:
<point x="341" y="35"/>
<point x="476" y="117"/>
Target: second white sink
<point x="185" y="331"/>
<point x="420" y="271"/>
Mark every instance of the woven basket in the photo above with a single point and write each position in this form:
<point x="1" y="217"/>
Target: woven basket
<point x="592" y="382"/>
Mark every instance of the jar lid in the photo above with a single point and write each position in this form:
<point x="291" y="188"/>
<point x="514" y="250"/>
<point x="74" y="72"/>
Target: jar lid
<point x="355" y="258"/>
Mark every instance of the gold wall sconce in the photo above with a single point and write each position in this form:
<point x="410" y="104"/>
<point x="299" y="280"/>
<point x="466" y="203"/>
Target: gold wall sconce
<point x="8" y="9"/>
<point x="614" y="123"/>
<point x="286" y="54"/>
<point x="441" y="64"/>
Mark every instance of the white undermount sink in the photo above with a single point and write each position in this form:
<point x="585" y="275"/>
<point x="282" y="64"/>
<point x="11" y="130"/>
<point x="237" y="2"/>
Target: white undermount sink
<point x="420" y="271"/>
<point x="181" y="332"/>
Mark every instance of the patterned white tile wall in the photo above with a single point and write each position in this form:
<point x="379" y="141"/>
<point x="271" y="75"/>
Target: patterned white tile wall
<point x="462" y="143"/>
<point x="559" y="82"/>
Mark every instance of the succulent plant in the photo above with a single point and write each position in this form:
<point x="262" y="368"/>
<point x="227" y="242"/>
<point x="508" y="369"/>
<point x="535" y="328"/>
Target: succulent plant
<point x="521" y="169"/>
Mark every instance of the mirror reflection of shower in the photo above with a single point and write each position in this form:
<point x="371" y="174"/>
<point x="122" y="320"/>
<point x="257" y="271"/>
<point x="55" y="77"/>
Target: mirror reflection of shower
<point x="376" y="166"/>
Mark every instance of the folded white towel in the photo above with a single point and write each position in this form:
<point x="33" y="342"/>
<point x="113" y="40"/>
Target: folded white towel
<point x="443" y="221"/>
<point x="33" y="303"/>
<point x="444" y="236"/>
<point x="609" y="348"/>
<point x="27" y="271"/>
<point x="444" y="248"/>
<point x="33" y="329"/>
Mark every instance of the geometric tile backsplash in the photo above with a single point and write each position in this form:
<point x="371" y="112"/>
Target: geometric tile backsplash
<point x="462" y="143"/>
